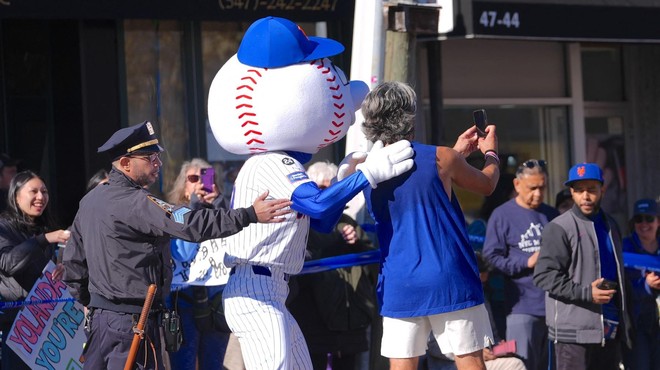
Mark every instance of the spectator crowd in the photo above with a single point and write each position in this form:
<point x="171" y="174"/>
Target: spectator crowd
<point x="569" y="299"/>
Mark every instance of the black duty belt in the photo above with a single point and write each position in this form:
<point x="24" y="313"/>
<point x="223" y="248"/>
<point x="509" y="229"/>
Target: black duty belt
<point x="125" y="306"/>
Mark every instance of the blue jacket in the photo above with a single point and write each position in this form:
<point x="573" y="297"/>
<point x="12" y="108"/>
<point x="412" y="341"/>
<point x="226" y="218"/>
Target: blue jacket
<point x="644" y="307"/>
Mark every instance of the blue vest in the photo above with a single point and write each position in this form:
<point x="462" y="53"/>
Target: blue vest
<point x="428" y="266"/>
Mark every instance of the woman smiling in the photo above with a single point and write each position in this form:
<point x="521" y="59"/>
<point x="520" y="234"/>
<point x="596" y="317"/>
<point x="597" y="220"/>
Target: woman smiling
<point x="27" y="243"/>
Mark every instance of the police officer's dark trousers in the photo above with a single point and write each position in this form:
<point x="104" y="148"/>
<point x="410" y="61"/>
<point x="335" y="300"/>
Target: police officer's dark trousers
<point x="110" y="338"/>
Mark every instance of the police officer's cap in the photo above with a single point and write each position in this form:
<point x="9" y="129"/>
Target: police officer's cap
<point x="140" y="138"/>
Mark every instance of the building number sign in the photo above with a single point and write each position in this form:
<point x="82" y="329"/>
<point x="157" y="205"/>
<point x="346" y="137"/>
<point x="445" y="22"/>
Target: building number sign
<point x="492" y="19"/>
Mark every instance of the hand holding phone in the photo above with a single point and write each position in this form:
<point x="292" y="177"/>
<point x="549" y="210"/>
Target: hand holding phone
<point x="480" y="121"/>
<point x="607" y="285"/>
<point x="208" y="179"/>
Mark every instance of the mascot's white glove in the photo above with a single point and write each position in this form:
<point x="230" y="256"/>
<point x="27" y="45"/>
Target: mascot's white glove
<point x="348" y="164"/>
<point x="384" y="163"/>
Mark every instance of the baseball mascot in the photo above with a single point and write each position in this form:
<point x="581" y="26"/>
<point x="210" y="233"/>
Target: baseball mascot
<point x="281" y="99"/>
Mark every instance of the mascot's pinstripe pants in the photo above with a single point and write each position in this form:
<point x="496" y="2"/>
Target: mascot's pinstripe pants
<point x="255" y="309"/>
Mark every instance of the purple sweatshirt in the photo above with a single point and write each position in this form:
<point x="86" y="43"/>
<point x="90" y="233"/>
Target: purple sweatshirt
<point x="513" y="234"/>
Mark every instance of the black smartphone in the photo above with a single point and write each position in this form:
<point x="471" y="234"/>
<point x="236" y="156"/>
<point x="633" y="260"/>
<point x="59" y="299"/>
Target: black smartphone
<point x="481" y="121"/>
<point x="607" y="285"/>
<point x="208" y="179"/>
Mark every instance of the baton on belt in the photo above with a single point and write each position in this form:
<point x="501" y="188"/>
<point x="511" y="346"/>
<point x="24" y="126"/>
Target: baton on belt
<point x="138" y="330"/>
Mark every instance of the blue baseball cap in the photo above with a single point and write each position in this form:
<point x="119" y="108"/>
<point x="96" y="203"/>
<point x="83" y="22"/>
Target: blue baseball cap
<point x="273" y="42"/>
<point x="584" y="171"/>
<point x="645" y="207"/>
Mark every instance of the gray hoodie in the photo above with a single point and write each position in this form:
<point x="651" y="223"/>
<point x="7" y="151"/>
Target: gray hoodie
<point x="568" y="263"/>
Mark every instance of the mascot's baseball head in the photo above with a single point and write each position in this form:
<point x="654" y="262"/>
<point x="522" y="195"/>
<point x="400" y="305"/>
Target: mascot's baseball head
<point x="281" y="92"/>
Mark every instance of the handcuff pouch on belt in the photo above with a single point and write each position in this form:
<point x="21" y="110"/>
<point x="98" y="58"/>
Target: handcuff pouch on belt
<point x="172" y="331"/>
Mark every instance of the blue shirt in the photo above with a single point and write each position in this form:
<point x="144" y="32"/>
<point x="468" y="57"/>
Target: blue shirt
<point x="644" y="307"/>
<point x="427" y="265"/>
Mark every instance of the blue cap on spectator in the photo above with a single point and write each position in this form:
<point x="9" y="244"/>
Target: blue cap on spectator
<point x="140" y="138"/>
<point x="273" y="42"/>
<point x="584" y="171"/>
<point x="645" y="207"/>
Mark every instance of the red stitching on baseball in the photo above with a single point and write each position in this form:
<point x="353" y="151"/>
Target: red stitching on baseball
<point x="249" y="123"/>
<point x="252" y="132"/>
<point x="254" y="141"/>
<point x="256" y="71"/>
<point x="338" y="105"/>
<point x="327" y="69"/>
<point x="246" y="110"/>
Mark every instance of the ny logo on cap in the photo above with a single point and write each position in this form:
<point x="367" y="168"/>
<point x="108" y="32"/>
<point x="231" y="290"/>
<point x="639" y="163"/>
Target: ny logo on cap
<point x="581" y="171"/>
<point x="150" y="128"/>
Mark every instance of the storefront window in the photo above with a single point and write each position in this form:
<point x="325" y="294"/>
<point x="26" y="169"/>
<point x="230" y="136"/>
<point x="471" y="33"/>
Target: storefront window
<point x="605" y="146"/>
<point x="524" y="133"/>
<point x="602" y="73"/>
<point x="155" y="88"/>
<point x="220" y="42"/>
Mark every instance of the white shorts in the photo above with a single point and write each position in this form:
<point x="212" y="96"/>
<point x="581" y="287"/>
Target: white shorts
<point x="458" y="333"/>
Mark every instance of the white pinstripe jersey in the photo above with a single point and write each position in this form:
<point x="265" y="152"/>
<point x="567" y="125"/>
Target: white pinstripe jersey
<point x="278" y="245"/>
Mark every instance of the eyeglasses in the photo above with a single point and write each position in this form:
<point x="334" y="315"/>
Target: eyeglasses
<point x="151" y="158"/>
<point x="193" y="178"/>
<point x="531" y="164"/>
<point x="638" y="219"/>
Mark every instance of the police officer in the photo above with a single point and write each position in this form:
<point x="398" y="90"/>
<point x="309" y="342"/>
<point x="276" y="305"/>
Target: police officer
<point x="119" y="245"/>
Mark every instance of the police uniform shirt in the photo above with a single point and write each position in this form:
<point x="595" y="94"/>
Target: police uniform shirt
<point x="120" y="237"/>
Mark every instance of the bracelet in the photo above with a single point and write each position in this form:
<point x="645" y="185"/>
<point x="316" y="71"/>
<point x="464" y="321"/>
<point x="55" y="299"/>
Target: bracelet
<point x="492" y="154"/>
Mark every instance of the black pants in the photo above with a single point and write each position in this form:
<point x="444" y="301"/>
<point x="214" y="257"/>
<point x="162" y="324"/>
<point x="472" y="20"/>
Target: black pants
<point x="576" y="356"/>
<point x="110" y="338"/>
<point x="339" y="362"/>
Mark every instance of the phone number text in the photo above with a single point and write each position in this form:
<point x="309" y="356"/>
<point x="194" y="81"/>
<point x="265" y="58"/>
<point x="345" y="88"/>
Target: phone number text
<point x="304" y="5"/>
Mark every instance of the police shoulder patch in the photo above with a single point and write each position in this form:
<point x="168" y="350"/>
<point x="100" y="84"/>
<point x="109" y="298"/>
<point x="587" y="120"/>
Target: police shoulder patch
<point x="179" y="213"/>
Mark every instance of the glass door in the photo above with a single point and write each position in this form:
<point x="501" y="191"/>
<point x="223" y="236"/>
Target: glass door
<point x="524" y="132"/>
<point x="605" y="145"/>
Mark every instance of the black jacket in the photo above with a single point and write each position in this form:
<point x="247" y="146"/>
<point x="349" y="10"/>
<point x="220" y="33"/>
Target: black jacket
<point x="22" y="258"/>
<point x="120" y="239"/>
